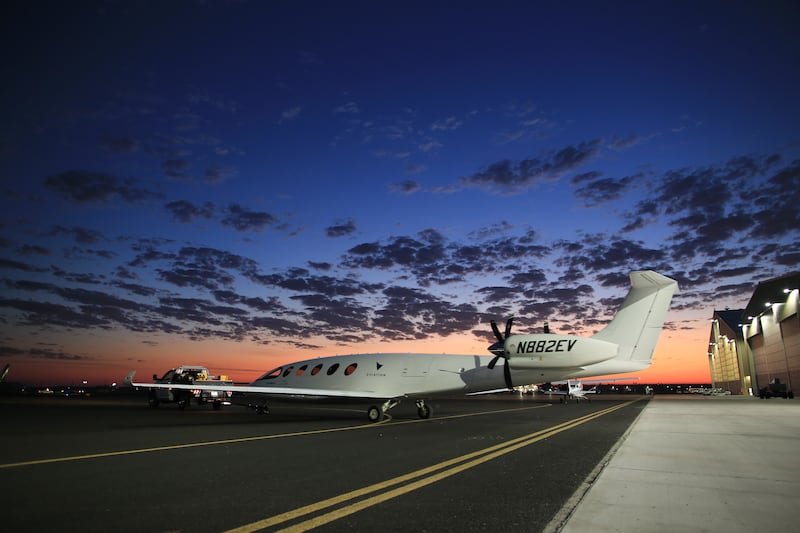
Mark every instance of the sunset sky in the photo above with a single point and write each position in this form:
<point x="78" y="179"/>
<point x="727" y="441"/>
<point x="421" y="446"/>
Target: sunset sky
<point x="240" y="184"/>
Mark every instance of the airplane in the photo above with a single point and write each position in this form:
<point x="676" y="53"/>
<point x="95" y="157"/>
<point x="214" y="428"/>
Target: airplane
<point x="383" y="380"/>
<point x="4" y="373"/>
<point x="575" y="388"/>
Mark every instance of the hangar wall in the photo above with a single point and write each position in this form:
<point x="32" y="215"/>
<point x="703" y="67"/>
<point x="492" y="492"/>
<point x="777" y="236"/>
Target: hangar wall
<point x="774" y="340"/>
<point x="750" y="348"/>
<point x="728" y="371"/>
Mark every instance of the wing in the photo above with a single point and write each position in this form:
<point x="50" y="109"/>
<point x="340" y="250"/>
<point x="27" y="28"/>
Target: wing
<point x="595" y="381"/>
<point x="286" y="392"/>
<point x="556" y="392"/>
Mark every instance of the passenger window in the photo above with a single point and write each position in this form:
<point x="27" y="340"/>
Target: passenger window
<point x="333" y="369"/>
<point x="272" y="374"/>
<point x="350" y="369"/>
<point x="288" y="371"/>
<point x="316" y="369"/>
<point x="302" y="370"/>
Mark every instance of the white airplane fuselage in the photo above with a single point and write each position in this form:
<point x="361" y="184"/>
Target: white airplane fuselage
<point x="409" y="375"/>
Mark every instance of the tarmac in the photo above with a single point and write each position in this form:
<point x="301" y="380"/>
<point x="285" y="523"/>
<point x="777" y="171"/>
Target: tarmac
<point x="693" y="463"/>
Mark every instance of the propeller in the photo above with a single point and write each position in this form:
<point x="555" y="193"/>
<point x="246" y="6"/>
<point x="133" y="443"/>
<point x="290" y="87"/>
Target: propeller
<point x="499" y="350"/>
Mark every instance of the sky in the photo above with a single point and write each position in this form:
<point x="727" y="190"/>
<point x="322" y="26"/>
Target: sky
<point x="241" y="184"/>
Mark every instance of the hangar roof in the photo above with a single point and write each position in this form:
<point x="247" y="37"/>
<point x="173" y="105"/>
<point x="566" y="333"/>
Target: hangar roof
<point x="731" y="317"/>
<point x="771" y="291"/>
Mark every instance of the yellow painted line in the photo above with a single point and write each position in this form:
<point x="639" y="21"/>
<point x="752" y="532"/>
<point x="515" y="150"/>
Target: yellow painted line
<point x="434" y="473"/>
<point x="99" y="455"/>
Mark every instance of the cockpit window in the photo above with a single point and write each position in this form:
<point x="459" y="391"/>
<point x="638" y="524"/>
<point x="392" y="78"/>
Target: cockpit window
<point x="334" y="367"/>
<point x="316" y="369"/>
<point x="350" y="369"/>
<point x="288" y="371"/>
<point x="272" y="374"/>
<point x="302" y="370"/>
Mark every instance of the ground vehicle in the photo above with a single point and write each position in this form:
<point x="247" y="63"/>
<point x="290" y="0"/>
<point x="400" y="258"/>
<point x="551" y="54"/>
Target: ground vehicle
<point x="775" y="388"/>
<point x="189" y="374"/>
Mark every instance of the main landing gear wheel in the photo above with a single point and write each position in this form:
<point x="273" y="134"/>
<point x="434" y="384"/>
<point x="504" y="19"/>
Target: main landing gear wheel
<point x="374" y="413"/>
<point x="423" y="409"/>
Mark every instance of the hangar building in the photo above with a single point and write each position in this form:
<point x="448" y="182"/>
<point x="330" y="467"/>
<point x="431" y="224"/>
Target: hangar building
<point x="751" y="348"/>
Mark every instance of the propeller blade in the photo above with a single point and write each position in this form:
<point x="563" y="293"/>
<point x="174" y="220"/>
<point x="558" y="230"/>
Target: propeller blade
<point x="507" y="375"/>
<point x="508" y="327"/>
<point x="493" y="362"/>
<point x="500" y="338"/>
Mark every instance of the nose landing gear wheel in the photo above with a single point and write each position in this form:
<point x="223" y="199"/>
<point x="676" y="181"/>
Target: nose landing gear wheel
<point x="374" y="413"/>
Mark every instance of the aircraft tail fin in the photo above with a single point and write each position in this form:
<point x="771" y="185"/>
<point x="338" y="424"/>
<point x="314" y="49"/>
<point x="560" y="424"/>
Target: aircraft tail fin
<point x="638" y="322"/>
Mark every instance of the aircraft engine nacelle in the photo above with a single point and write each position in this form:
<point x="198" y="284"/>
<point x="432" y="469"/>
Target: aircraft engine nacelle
<point x="556" y="351"/>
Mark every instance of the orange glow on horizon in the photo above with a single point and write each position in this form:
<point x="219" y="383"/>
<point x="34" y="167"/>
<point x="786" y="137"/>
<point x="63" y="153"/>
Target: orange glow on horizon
<point x="680" y="357"/>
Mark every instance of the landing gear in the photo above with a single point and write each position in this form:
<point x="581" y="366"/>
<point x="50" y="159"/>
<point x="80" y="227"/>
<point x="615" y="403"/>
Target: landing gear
<point x="374" y="413"/>
<point x="423" y="409"/>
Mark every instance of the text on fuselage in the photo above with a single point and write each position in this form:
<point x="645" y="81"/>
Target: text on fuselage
<point x="546" y="346"/>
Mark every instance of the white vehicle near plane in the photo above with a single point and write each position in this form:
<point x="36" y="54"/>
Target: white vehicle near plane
<point x="381" y="380"/>
<point x="189" y="374"/>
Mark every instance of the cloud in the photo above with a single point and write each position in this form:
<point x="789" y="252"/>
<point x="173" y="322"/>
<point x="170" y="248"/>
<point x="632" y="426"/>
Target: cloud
<point x="341" y="229"/>
<point x="243" y="219"/>
<point x="507" y="177"/>
<point x="176" y="169"/>
<point x="12" y="264"/>
<point x="81" y="235"/>
<point x="88" y="187"/>
<point x="291" y="114"/>
<point x="624" y="143"/>
<point x="405" y="187"/>
<point x="411" y="313"/>
<point x="598" y="254"/>
<point x="447" y="124"/>
<point x="348" y="108"/>
<point x="216" y="174"/>
<point x="711" y="206"/>
<point x="430" y="284"/>
<point x="430" y="259"/>
<point x="185" y="211"/>
<point x="601" y="190"/>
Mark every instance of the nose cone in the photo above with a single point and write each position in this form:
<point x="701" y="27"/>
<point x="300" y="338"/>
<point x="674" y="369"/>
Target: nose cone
<point x="498" y="348"/>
